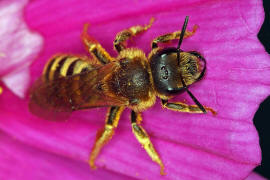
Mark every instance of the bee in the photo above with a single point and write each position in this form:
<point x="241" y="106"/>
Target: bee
<point x="130" y="80"/>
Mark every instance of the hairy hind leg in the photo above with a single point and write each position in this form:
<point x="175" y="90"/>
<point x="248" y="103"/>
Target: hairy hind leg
<point x="94" y="48"/>
<point x="105" y="134"/>
<point x="121" y="37"/>
<point x="144" y="139"/>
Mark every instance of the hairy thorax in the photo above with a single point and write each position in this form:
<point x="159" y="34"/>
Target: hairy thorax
<point x="133" y="80"/>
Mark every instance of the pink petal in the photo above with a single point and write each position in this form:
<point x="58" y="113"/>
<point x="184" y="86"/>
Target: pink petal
<point x="18" y="47"/>
<point x="26" y="162"/>
<point x="14" y="81"/>
<point x="255" y="176"/>
<point x="192" y="146"/>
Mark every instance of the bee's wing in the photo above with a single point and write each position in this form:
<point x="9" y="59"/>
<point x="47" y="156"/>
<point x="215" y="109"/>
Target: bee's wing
<point x="56" y="99"/>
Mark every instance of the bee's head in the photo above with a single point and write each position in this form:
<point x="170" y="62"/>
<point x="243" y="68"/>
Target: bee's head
<point x="173" y="70"/>
<point x="169" y="72"/>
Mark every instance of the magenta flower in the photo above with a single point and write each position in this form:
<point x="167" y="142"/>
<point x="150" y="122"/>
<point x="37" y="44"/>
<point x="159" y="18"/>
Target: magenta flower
<point x="197" y="146"/>
<point x="255" y="176"/>
<point x="18" y="47"/>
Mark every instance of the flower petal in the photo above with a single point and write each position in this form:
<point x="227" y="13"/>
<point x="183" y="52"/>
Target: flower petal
<point x="18" y="46"/>
<point x="14" y="81"/>
<point x="19" y="161"/>
<point x="74" y="138"/>
<point x="192" y="146"/>
<point x="255" y="176"/>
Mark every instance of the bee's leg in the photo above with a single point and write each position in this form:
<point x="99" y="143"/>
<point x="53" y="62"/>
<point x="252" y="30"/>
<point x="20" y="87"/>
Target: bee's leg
<point x="105" y="134"/>
<point x="166" y="38"/>
<point x="121" y="37"/>
<point x="182" y="107"/>
<point x="144" y="139"/>
<point x="94" y="48"/>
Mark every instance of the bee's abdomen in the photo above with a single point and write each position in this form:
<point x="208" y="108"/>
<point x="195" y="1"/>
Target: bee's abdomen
<point x="65" y="65"/>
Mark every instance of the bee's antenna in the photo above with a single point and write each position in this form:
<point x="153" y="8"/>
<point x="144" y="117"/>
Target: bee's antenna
<point x="178" y="59"/>
<point x="182" y="33"/>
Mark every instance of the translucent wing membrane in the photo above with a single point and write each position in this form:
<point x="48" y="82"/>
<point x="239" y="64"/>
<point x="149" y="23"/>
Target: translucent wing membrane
<point x="57" y="98"/>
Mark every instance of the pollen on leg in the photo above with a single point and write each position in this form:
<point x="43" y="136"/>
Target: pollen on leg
<point x="143" y="138"/>
<point x="102" y="137"/>
<point x="105" y="134"/>
<point x="146" y="143"/>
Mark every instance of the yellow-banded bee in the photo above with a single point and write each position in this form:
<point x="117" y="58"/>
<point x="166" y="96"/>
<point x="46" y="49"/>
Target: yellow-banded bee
<point x="130" y="80"/>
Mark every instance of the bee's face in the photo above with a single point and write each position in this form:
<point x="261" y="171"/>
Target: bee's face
<point x="167" y="71"/>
